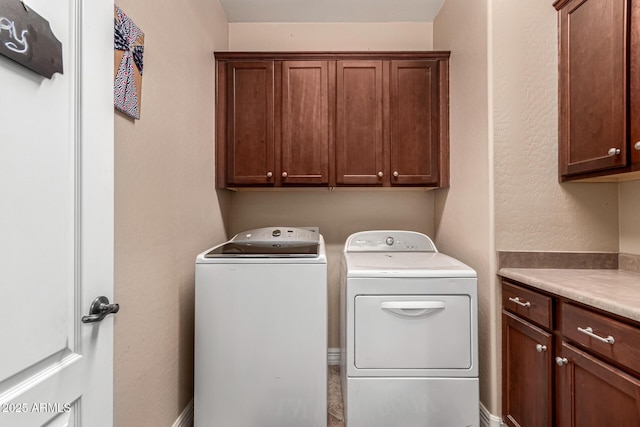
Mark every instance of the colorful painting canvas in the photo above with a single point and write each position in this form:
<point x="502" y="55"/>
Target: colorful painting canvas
<point x="128" y="62"/>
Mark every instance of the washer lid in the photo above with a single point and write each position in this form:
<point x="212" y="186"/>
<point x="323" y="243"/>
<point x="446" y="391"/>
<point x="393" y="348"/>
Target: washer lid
<point x="405" y="264"/>
<point x="270" y="242"/>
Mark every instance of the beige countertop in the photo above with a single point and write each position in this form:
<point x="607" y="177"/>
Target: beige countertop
<point x="615" y="291"/>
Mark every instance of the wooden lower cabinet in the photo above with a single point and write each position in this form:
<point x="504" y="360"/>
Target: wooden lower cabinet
<point x="527" y="373"/>
<point x="591" y="392"/>
<point x="578" y="379"/>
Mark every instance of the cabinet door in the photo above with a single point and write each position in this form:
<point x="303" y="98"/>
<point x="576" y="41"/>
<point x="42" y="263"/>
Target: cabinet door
<point x="593" y="393"/>
<point x="527" y="373"/>
<point x="414" y="98"/>
<point x="593" y="85"/>
<point x="250" y="131"/>
<point x="359" y="149"/>
<point x="305" y="123"/>
<point x="634" y="84"/>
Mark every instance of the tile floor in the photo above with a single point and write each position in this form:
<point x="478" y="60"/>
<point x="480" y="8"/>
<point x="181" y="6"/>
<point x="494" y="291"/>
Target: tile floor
<point x="335" y="414"/>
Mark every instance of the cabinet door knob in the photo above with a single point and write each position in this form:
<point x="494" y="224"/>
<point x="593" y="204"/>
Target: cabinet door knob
<point x="284" y="174"/>
<point x="561" y="361"/>
<point x="396" y="174"/>
<point x="380" y="174"/>
<point x="637" y="146"/>
<point x="614" y="151"/>
<point x="540" y="348"/>
<point x="269" y="174"/>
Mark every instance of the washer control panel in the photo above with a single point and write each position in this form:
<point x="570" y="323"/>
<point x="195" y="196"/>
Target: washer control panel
<point x="389" y="241"/>
<point x="277" y="234"/>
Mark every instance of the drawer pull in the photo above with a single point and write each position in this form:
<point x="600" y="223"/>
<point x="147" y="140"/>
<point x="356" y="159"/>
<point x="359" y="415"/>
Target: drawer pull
<point x="589" y="331"/>
<point x="412" y="308"/>
<point x="517" y="301"/>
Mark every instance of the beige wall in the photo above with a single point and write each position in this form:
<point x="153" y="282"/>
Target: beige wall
<point x="341" y="212"/>
<point x="331" y="36"/>
<point x="463" y="211"/>
<point x="166" y="208"/>
<point x="534" y="211"/>
<point x="629" y="193"/>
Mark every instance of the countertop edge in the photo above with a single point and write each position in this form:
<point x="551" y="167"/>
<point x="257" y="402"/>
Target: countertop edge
<point x="574" y="288"/>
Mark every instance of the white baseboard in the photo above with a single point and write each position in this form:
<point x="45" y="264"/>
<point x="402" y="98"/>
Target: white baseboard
<point x="186" y="416"/>
<point x="487" y="419"/>
<point x="333" y="356"/>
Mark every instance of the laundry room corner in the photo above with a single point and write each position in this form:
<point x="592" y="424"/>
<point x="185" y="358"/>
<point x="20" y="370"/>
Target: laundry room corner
<point x="320" y="213"/>
<point x="166" y="208"/>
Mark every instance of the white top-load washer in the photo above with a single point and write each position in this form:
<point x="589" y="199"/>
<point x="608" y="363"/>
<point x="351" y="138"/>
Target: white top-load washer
<point x="408" y="333"/>
<point x="261" y="331"/>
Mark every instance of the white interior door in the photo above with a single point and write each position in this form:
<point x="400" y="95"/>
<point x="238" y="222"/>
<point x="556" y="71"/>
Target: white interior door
<point x="56" y="225"/>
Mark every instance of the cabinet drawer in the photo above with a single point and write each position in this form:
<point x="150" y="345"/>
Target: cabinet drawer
<point x="527" y="304"/>
<point x="618" y="341"/>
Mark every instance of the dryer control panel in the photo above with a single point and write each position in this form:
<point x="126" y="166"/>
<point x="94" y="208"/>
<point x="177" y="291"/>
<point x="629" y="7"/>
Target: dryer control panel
<point x="389" y="241"/>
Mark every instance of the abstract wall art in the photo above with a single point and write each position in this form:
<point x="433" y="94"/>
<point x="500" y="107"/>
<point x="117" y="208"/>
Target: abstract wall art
<point x="128" y="64"/>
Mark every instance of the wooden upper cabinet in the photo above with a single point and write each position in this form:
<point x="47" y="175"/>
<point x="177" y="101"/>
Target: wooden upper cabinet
<point x="634" y="84"/>
<point x="598" y="54"/>
<point x="359" y="139"/>
<point x="414" y="122"/>
<point x="250" y="119"/>
<point x="332" y="119"/>
<point x="305" y="123"/>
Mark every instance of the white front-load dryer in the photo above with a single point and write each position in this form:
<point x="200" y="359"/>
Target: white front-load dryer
<point x="408" y="333"/>
<point x="261" y="331"/>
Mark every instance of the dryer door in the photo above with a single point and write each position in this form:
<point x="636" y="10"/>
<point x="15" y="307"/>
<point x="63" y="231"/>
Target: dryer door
<point x="413" y="332"/>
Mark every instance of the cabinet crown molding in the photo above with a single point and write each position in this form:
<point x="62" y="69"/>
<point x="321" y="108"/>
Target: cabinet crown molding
<point x="559" y="4"/>
<point x="317" y="55"/>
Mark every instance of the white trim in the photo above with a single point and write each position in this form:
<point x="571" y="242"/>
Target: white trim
<point x="96" y="193"/>
<point x="185" y="419"/>
<point x="494" y="301"/>
<point x="487" y="419"/>
<point x="333" y="356"/>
